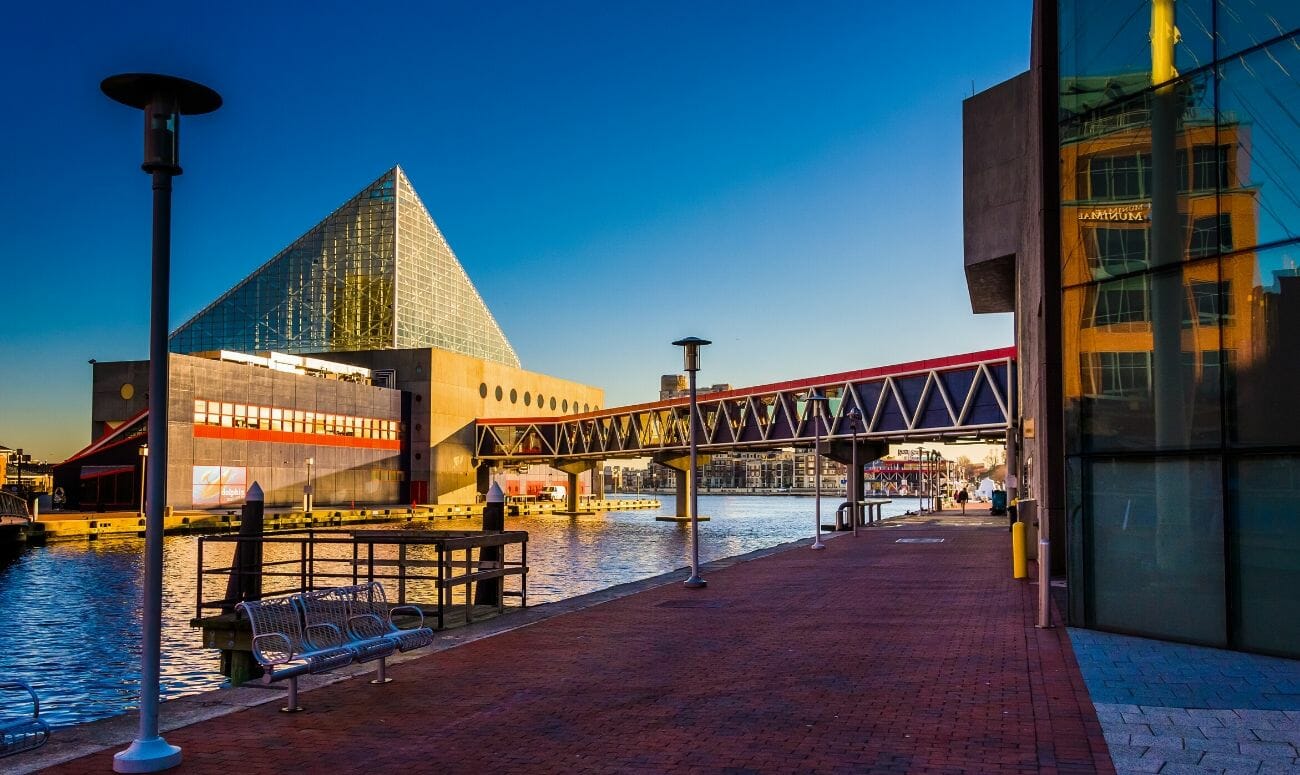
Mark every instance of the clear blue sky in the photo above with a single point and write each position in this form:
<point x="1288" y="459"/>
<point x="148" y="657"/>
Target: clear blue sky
<point x="784" y="179"/>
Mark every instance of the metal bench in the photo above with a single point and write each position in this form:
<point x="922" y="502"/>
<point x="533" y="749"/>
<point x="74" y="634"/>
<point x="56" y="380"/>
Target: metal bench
<point x="327" y="614"/>
<point x="24" y="732"/>
<point x="371" y="617"/>
<point x="281" y="649"/>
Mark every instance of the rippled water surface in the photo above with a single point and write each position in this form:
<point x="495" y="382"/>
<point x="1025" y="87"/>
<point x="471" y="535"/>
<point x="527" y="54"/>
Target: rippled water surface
<point x="70" y="612"/>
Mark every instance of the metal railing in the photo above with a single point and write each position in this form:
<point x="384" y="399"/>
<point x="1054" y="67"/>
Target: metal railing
<point x="430" y="568"/>
<point x="13" y="506"/>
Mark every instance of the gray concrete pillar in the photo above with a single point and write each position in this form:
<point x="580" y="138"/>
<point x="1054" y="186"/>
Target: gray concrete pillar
<point x="571" y="496"/>
<point x="683" y="508"/>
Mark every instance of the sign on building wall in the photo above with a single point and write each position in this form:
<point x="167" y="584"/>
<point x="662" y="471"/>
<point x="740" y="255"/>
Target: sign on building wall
<point x="219" y="485"/>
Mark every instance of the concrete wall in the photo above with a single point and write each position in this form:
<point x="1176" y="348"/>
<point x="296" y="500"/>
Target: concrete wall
<point x="995" y="163"/>
<point x="448" y="392"/>
<point x="341" y="474"/>
<point x="1013" y="254"/>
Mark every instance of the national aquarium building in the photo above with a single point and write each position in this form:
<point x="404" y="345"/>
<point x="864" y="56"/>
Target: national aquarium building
<point x="352" y="364"/>
<point x="1135" y="199"/>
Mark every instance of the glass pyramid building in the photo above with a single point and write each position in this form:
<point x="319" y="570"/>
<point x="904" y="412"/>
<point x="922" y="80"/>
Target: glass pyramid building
<point x="376" y="274"/>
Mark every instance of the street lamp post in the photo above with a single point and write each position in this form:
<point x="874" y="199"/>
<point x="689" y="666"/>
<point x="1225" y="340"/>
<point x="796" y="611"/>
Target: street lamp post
<point x="855" y="482"/>
<point x="309" y="489"/>
<point x="817" y="399"/>
<point x="691" y="357"/>
<point x="144" y="466"/>
<point x="164" y="99"/>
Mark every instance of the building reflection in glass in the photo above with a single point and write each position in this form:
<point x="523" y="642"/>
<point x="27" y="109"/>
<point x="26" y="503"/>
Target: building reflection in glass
<point x="1180" y="215"/>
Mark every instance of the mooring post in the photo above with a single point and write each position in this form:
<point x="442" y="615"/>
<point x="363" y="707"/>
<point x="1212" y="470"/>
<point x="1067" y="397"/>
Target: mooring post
<point x="246" y="577"/>
<point x="488" y="591"/>
<point x="246" y="570"/>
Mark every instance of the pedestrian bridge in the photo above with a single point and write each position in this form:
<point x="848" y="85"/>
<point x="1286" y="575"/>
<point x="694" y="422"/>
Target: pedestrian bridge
<point x="958" y="398"/>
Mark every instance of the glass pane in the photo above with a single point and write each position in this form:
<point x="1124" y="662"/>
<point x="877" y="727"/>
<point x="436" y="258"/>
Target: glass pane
<point x="1131" y="384"/>
<point x="1264" y="379"/>
<point x="1259" y="98"/>
<point x="1154" y="530"/>
<point x="1129" y="204"/>
<point x="1101" y="39"/>
<point x="1243" y="24"/>
<point x="1265" y="492"/>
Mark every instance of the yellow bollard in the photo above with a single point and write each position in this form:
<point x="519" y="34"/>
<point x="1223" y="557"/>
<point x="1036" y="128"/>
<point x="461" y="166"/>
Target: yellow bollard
<point x="1019" y="566"/>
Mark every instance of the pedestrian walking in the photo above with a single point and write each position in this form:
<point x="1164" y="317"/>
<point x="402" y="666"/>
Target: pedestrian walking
<point x="961" y="497"/>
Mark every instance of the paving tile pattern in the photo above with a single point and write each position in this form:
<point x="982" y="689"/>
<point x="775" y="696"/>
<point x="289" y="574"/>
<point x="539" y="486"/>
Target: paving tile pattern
<point x="870" y="656"/>
<point x="1173" y="708"/>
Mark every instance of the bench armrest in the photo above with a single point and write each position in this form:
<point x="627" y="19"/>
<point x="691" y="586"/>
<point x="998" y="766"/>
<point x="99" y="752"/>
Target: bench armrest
<point x="21" y="686"/>
<point x="367" y="625"/>
<point x="410" y="608"/>
<point x="282" y="638"/>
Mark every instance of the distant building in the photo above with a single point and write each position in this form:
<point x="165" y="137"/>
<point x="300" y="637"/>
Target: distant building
<point x="373" y="289"/>
<point x="676" y="386"/>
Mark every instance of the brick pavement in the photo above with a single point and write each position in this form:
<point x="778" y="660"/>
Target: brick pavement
<point x="871" y="656"/>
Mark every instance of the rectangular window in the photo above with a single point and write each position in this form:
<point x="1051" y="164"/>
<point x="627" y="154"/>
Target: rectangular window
<point x="1210" y="235"/>
<point x="1207" y="303"/>
<point x="1209" y="167"/>
<point x="1117" y="251"/>
<point x="1116" y="373"/>
<point x="1124" y="176"/>
<point x="1119" y="301"/>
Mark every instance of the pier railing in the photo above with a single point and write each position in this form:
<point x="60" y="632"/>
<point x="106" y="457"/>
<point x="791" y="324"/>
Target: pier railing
<point x="434" y="569"/>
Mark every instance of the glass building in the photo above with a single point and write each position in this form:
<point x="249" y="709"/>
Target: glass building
<point x="375" y="274"/>
<point x="1179" y="233"/>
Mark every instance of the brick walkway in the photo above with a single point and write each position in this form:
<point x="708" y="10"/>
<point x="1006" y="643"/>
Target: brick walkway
<point x="871" y="656"/>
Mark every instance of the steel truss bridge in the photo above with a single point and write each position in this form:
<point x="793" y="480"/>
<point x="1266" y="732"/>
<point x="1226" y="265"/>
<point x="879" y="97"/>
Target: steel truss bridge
<point x="958" y="398"/>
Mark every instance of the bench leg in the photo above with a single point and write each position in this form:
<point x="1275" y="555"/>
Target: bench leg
<point x="292" y="705"/>
<point x="382" y="677"/>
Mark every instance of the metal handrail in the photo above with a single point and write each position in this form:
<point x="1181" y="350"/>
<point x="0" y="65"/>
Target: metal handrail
<point x="311" y="569"/>
<point x="13" y="506"/>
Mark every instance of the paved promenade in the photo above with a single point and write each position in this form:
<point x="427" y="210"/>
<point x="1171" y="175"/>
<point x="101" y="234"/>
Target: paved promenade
<point x="870" y="656"/>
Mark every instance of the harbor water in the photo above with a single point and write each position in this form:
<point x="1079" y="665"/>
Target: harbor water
<point x="70" y="612"/>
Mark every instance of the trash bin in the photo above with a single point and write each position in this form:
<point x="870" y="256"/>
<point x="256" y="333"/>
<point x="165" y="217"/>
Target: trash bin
<point x="999" y="505"/>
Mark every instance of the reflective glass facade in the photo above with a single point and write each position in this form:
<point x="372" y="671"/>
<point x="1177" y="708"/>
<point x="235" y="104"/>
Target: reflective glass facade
<point x="375" y="274"/>
<point x="1180" y="235"/>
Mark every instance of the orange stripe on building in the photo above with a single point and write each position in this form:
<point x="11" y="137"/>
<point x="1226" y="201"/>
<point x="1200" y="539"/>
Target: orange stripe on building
<point x="289" y="437"/>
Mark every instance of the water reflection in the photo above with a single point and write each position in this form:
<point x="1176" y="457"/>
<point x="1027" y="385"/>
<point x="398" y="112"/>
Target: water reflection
<point x="71" y="612"/>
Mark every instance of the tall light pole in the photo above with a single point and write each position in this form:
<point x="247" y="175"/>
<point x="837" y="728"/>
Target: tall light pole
<point x="144" y="465"/>
<point x="816" y="401"/>
<point x="855" y="482"/>
<point x="308" y="489"/>
<point x="691" y="358"/>
<point x="164" y="99"/>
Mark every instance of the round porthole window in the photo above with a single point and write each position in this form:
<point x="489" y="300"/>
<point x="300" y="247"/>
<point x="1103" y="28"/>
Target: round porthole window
<point x="566" y="404"/>
<point x="586" y="407"/>
<point x="482" y="390"/>
<point x="514" y="396"/>
<point x="528" y="398"/>
<point x="499" y="393"/>
<point x="552" y="403"/>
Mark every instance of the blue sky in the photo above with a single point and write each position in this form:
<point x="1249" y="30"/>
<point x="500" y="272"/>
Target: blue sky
<point x="784" y="179"/>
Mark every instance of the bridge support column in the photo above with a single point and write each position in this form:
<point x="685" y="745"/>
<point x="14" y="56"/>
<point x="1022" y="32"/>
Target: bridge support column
<point x="841" y="451"/>
<point x="680" y="464"/>
<point x="573" y="469"/>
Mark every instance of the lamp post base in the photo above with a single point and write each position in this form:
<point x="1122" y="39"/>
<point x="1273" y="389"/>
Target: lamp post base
<point x="147" y="756"/>
<point x="818" y="545"/>
<point x="695" y="582"/>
